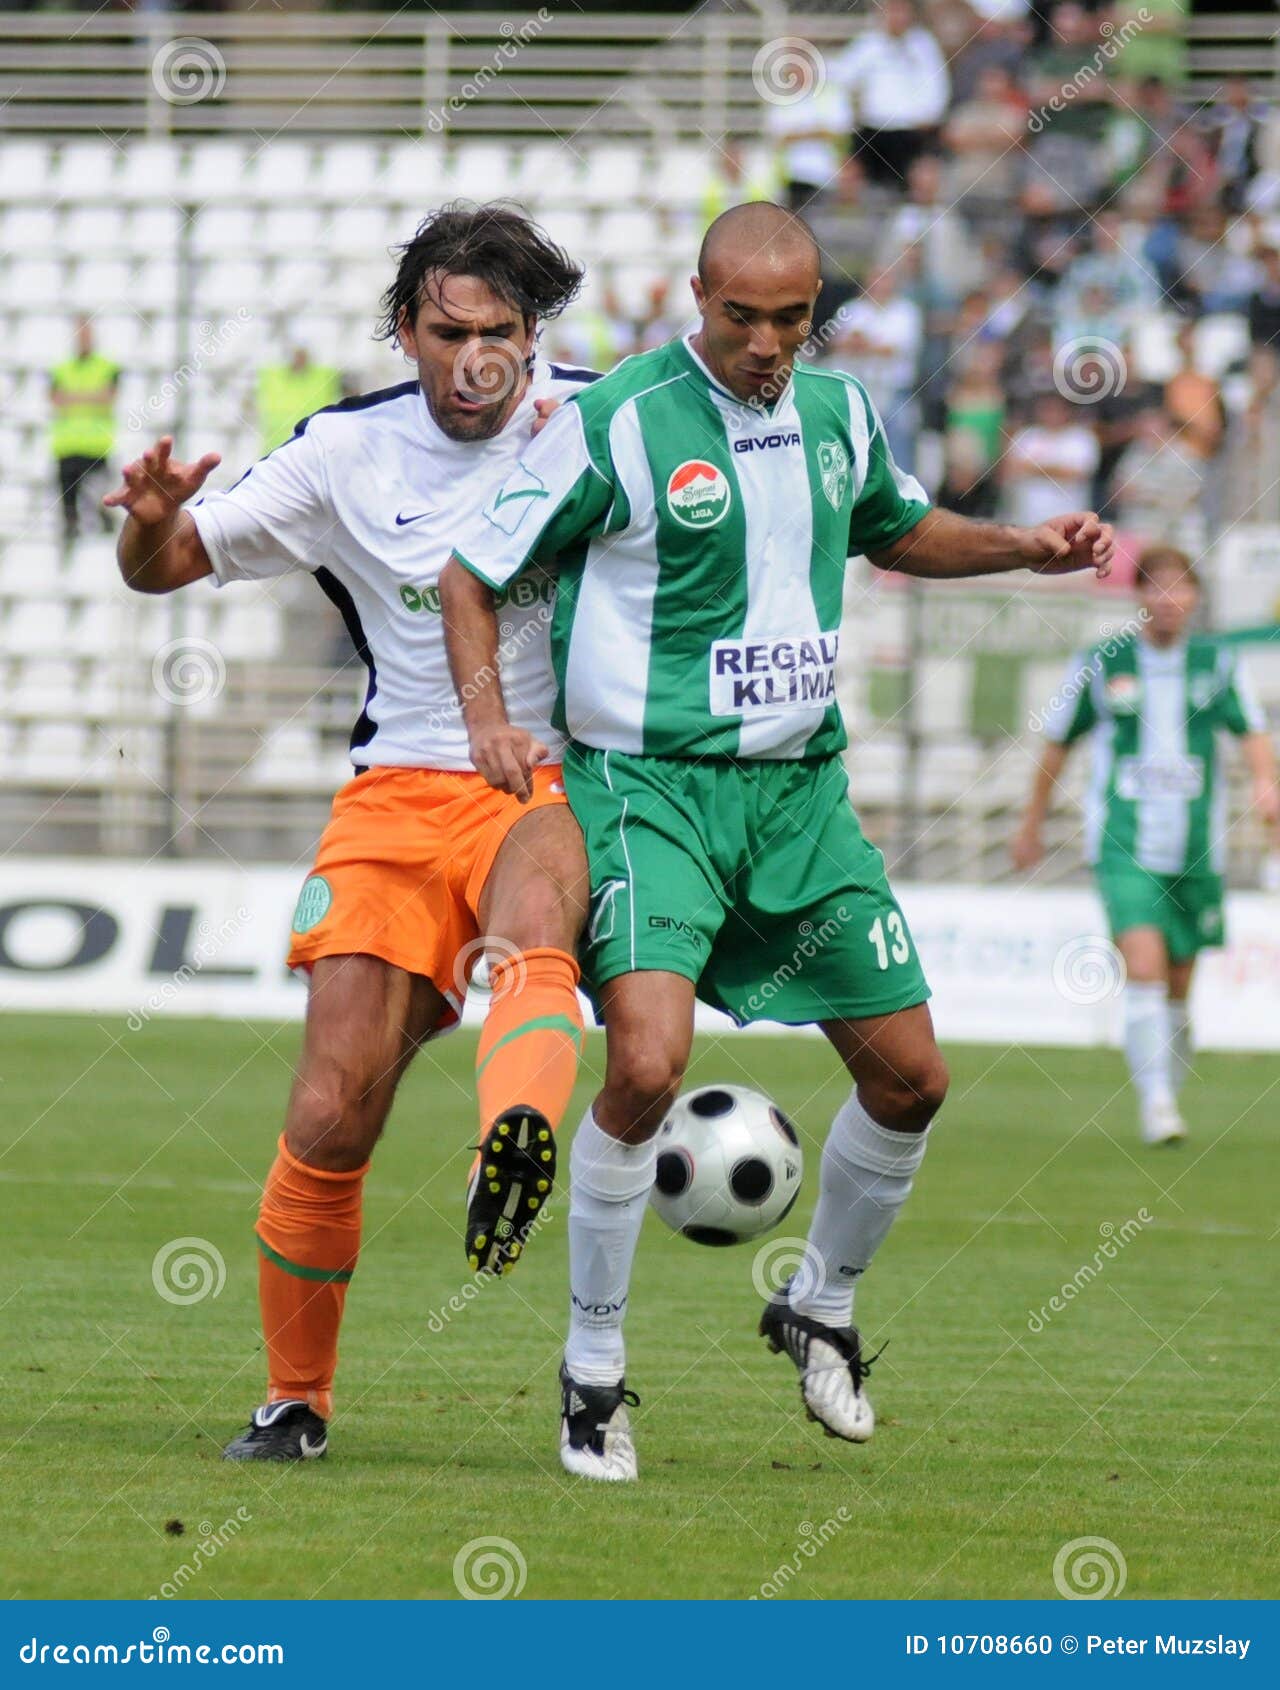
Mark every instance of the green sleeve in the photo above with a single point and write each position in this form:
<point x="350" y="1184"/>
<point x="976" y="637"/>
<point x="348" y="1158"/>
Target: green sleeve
<point x="889" y="503"/>
<point x="1072" y="711"/>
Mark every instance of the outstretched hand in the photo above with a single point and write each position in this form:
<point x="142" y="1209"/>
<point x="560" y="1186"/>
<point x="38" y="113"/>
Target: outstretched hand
<point x="154" y="486"/>
<point x="1065" y="544"/>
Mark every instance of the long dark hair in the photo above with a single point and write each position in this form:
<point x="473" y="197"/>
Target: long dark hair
<point x="498" y="245"/>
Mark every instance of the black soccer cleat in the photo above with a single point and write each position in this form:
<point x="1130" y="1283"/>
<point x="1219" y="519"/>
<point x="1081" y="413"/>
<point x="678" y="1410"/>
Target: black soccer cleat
<point x="595" y="1431"/>
<point x="831" y="1366"/>
<point x="513" y="1179"/>
<point x="280" y="1431"/>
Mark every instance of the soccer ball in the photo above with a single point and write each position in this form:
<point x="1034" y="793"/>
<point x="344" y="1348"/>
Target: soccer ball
<point x="729" y="1165"/>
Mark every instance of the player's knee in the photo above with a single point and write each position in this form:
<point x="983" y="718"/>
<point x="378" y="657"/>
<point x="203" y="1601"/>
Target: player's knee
<point x="907" y="1100"/>
<point x="549" y="914"/>
<point x="331" y="1122"/>
<point x="641" y="1087"/>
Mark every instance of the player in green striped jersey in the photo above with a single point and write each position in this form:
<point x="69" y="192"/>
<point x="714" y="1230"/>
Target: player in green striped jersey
<point x="699" y="505"/>
<point x="1156" y="703"/>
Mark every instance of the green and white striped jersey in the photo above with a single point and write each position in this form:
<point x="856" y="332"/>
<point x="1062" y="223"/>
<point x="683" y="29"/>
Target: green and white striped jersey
<point x="1156" y="795"/>
<point x="701" y="546"/>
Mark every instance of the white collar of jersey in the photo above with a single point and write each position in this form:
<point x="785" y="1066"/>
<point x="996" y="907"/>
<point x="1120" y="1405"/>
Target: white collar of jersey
<point x="1167" y="656"/>
<point x="440" y="442"/>
<point x="721" y="393"/>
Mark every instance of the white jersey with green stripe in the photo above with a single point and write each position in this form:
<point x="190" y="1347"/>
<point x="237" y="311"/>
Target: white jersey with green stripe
<point x="1156" y="796"/>
<point x="700" y="545"/>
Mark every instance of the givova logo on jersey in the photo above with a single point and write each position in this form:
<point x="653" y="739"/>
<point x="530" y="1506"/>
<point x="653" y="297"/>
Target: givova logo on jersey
<point x="698" y="494"/>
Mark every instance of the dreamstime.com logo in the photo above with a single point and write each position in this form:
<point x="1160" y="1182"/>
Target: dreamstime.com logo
<point x="188" y="70"/>
<point x="1088" y="1569"/>
<point x="156" y="1649"/>
<point x="489" y="1569"/>
<point x="1114" y="1239"/>
<point x="1088" y="970"/>
<point x="187" y="1270"/>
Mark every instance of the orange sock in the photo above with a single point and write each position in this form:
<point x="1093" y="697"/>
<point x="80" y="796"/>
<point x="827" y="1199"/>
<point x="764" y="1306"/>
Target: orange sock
<point x="308" y="1242"/>
<point x="532" y="1037"/>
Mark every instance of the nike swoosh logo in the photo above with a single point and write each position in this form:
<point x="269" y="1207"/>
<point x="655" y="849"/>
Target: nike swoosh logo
<point x="520" y="493"/>
<point x="417" y="516"/>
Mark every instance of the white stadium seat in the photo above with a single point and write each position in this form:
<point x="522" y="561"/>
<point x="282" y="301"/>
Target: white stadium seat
<point x="215" y="174"/>
<point x="149" y="171"/>
<point x="415" y="174"/>
<point x="85" y="170"/>
<point x="25" y="168"/>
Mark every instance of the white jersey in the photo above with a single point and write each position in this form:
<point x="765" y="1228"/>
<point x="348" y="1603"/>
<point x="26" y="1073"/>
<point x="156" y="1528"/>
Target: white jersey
<point x="371" y="498"/>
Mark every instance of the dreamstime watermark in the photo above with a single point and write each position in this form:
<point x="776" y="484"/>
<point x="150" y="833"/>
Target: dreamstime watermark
<point x="188" y="671"/>
<point x="477" y="1285"/>
<point x="514" y="37"/>
<point x="816" y="342"/>
<point x="187" y="1270"/>
<point x="489" y="1569"/>
<point x="1088" y="1569"/>
<point x="811" y="941"/>
<point x="1082" y="678"/>
<point x="1114" y="1239"/>
<point x="209" y="942"/>
<point x="187" y="70"/>
<point x="1088" y="970"/>
<point x="810" y="1540"/>
<point x="1088" y="369"/>
<point x="1113" y="42"/>
<point x="211" y="339"/>
<point x="512" y="641"/>
<point x="787" y="70"/>
<point x="787" y="1261"/>
<point x="212" y="1539"/>
<point x="482" y="957"/>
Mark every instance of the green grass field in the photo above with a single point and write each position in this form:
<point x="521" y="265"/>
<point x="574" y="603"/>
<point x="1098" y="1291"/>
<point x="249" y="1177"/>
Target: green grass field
<point x="1142" y="1413"/>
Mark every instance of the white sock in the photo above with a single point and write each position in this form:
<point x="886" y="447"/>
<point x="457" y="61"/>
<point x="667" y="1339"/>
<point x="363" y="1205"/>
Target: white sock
<point x="867" y="1171"/>
<point x="1148" y="1041"/>
<point x="1180" y="1028"/>
<point x="608" y="1193"/>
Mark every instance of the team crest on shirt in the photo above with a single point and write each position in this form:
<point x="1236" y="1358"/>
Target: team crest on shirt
<point x="1123" y="692"/>
<point x="833" y="468"/>
<point x="698" y="494"/>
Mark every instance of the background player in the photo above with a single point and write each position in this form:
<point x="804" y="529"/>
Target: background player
<point x="1156" y="703"/>
<point x="701" y="501"/>
<point x="421" y="855"/>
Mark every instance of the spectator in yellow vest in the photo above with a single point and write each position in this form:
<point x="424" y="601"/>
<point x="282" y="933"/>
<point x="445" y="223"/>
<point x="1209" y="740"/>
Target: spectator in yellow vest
<point x="289" y="392"/>
<point x="82" y="391"/>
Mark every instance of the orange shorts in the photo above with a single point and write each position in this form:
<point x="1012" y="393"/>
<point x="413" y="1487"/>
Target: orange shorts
<point x="401" y="866"/>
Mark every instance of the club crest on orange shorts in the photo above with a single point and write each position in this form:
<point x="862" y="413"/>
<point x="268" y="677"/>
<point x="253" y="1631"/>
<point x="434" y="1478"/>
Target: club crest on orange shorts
<point x="401" y="866"/>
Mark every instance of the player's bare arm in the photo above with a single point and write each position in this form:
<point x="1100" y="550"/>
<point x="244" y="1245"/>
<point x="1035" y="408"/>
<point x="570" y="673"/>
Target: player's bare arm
<point x="945" y="547"/>
<point x="505" y="755"/>
<point x="160" y="548"/>
<point x="1260" y="759"/>
<point x="1027" y="846"/>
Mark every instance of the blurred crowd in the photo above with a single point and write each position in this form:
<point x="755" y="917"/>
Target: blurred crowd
<point x="1058" y="275"/>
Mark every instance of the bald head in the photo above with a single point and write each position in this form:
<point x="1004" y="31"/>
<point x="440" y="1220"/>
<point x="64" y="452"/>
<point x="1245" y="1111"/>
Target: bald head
<point x="758" y="236"/>
<point x="757" y="282"/>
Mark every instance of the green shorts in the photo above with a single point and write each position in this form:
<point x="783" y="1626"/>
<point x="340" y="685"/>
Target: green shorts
<point x="1187" y="908"/>
<point x="752" y="879"/>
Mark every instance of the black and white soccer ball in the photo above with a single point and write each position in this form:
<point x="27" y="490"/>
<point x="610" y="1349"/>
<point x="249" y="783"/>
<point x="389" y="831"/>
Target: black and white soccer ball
<point x="729" y="1165"/>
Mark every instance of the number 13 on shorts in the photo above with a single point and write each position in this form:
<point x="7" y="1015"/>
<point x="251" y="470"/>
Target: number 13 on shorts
<point x="889" y="937"/>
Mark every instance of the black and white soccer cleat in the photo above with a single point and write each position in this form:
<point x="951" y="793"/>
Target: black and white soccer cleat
<point x="595" y="1431"/>
<point x="280" y="1431"/>
<point x="831" y="1366"/>
<point x="513" y="1177"/>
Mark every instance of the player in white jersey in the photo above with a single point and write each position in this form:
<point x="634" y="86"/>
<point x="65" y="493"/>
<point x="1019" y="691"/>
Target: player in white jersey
<point x="1156" y="702"/>
<point x="424" y="865"/>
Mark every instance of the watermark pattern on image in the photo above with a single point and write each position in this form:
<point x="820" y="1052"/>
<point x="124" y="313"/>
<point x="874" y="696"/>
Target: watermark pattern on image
<point x="489" y="1569"/>
<point x="210" y="941"/>
<point x="476" y="962"/>
<point x="188" y="70"/>
<point x="1113" y="42"/>
<point x="1114" y="1239"/>
<point x="490" y="372"/>
<point x="1110" y="639"/>
<point x="1089" y="369"/>
<point x="787" y="70"/>
<point x="514" y="36"/>
<point x="211" y="1539"/>
<point x="809" y="1541"/>
<point x="188" y="671"/>
<point x="187" y="1270"/>
<point x="1089" y="970"/>
<point x="1088" y="1569"/>
<point x="512" y="641"/>
<point x="211" y="339"/>
<point x="809" y="942"/>
<point x="784" y="1261"/>
<point x="478" y="1283"/>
